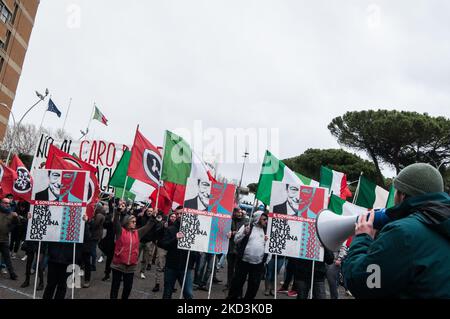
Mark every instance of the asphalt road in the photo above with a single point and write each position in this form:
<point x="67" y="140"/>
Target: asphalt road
<point x="142" y="288"/>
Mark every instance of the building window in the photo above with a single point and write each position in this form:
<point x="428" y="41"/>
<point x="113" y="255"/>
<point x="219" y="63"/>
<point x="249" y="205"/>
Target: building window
<point x="5" y="14"/>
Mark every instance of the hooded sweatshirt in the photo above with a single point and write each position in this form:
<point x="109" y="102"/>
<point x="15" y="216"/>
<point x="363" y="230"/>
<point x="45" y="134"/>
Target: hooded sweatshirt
<point x="411" y="254"/>
<point x="254" y="250"/>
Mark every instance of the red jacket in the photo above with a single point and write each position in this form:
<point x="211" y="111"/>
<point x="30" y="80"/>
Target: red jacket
<point x="126" y="251"/>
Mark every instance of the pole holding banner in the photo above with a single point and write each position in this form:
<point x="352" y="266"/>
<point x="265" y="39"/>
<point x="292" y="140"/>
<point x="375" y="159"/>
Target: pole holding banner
<point x="275" y="276"/>
<point x="73" y="272"/>
<point x="212" y="276"/>
<point x="312" y="281"/>
<point x="37" y="270"/>
<point x="185" y="271"/>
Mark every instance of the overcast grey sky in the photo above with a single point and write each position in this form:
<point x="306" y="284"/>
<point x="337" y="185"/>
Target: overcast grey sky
<point x="289" y="65"/>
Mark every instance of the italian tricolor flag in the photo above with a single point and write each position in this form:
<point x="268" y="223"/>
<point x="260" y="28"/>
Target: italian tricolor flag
<point x="275" y="170"/>
<point x="99" y="116"/>
<point x="134" y="189"/>
<point x="342" y="207"/>
<point x="180" y="162"/>
<point x="335" y="181"/>
<point x="370" y="195"/>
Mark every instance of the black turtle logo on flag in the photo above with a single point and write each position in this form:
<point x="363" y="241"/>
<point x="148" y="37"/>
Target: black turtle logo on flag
<point x="152" y="165"/>
<point x="22" y="184"/>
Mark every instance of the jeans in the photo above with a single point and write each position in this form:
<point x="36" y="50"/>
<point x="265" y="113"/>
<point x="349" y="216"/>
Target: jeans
<point x="254" y="273"/>
<point x="333" y="278"/>
<point x="144" y="248"/>
<point x="270" y="269"/>
<point x="4" y="250"/>
<point x="86" y="259"/>
<point x="117" y="277"/>
<point x="56" y="280"/>
<point x="303" y="288"/>
<point x="94" y="255"/>
<point x="204" y="269"/>
<point x="173" y="275"/>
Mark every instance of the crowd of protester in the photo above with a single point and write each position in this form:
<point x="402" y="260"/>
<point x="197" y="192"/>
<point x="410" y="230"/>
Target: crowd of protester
<point x="130" y="238"/>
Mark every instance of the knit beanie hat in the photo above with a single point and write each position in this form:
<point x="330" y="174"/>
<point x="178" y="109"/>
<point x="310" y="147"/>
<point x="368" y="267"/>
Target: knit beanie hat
<point x="419" y="179"/>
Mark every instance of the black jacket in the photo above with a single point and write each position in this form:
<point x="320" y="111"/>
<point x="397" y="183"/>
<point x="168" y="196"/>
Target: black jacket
<point x="303" y="267"/>
<point x="155" y="234"/>
<point x="175" y="258"/>
<point x="236" y="224"/>
<point x="62" y="253"/>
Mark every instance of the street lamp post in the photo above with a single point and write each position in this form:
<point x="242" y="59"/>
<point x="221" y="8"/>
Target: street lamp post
<point x="242" y="175"/>
<point x="17" y="125"/>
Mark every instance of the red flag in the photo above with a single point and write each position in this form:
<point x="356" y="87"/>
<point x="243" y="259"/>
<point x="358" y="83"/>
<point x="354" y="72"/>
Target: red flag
<point x="164" y="201"/>
<point x="58" y="159"/>
<point x="145" y="161"/>
<point x="23" y="184"/>
<point x="7" y="178"/>
<point x="345" y="191"/>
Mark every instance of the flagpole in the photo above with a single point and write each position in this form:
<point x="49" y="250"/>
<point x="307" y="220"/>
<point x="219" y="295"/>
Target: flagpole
<point x="185" y="271"/>
<point x="42" y="121"/>
<point x="125" y="187"/>
<point x="160" y="174"/>
<point x="67" y="114"/>
<point x="355" y="198"/>
<point x="90" y="121"/>
<point x="37" y="270"/>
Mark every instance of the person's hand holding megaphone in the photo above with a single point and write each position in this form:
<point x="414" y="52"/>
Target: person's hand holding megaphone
<point x="364" y="225"/>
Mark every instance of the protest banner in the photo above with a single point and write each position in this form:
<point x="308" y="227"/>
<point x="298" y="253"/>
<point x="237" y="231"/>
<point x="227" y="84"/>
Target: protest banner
<point x="206" y="220"/>
<point x="101" y="154"/>
<point x="58" y="204"/>
<point x="292" y="214"/>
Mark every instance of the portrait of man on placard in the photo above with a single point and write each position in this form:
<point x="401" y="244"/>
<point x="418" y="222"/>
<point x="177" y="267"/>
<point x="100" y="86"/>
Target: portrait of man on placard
<point x="59" y="185"/>
<point x="53" y="190"/>
<point x="201" y="200"/>
<point x="290" y="206"/>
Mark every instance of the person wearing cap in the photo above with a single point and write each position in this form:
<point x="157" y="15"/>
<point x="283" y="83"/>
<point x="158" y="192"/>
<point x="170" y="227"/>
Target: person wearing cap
<point x="410" y="256"/>
<point x="250" y="241"/>
<point x="126" y="251"/>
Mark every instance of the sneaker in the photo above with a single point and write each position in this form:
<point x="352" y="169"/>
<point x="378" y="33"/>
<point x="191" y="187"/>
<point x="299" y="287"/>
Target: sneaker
<point x="13" y="256"/>
<point x="216" y="281"/>
<point x="86" y="284"/>
<point x="292" y="293"/>
<point x="25" y="284"/>
<point x="142" y="275"/>
<point x="13" y="276"/>
<point x="282" y="291"/>
<point x="106" y="278"/>
<point x="156" y="288"/>
<point x="32" y="271"/>
<point x="4" y="271"/>
<point x="149" y="267"/>
<point x="24" y="258"/>
<point x="100" y="260"/>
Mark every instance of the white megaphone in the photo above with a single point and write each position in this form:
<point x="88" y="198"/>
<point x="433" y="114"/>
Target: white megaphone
<point x="333" y="229"/>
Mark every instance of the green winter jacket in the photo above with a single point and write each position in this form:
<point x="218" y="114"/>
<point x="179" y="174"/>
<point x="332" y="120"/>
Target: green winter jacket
<point x="412" y="252"/>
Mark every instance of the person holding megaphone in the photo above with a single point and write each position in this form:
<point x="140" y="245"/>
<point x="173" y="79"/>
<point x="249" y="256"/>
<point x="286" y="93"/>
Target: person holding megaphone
<point x="409" y="257"/>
